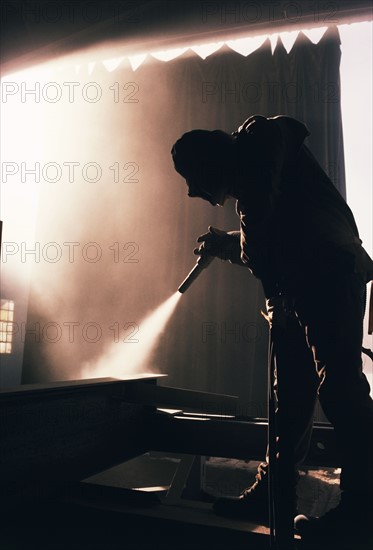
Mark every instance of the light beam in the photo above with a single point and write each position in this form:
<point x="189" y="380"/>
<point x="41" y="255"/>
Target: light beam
<point x="132" y="355"/>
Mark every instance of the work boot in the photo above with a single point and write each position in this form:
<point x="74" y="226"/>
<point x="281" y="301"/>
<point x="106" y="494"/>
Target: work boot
<point x="251" y="504"/>
<point x="350" y="523"/>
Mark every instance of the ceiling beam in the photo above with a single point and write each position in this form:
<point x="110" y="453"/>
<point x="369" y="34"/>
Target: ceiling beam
<point x="33" y="37"/>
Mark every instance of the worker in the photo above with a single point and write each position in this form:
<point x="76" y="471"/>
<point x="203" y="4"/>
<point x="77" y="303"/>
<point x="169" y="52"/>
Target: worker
<point x="298" y="236"/>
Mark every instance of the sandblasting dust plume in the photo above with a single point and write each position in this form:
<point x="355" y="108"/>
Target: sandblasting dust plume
<point x="132" y="356"/>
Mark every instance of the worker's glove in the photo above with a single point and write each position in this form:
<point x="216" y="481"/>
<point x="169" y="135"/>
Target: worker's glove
<point x="221" y="244"/>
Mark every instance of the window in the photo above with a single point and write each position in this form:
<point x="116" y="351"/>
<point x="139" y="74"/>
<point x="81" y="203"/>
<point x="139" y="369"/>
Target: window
<point x="6" y="326"/>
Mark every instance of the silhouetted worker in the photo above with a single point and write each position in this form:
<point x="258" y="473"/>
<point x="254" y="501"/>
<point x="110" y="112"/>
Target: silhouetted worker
<point x="299" y="237"/>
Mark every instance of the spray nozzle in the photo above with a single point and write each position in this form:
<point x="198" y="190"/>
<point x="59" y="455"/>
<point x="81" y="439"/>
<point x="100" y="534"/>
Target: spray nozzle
<point x="202" y="262"/>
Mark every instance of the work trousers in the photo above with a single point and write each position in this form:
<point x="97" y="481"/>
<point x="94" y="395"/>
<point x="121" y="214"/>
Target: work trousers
<point x="317" y="337"/>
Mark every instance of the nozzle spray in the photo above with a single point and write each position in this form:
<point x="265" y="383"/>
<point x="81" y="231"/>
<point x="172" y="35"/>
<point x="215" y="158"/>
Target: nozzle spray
<point x="202" y="263"/>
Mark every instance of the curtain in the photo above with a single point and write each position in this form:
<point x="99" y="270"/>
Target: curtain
<point x="216" y="339"/>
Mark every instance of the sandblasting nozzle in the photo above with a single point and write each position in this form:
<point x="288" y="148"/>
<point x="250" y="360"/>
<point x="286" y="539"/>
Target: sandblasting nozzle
<point x="202" y="263"/>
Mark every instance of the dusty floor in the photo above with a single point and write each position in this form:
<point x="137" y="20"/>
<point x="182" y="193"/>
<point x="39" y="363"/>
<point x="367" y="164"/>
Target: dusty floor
<point x="318" y="489"/>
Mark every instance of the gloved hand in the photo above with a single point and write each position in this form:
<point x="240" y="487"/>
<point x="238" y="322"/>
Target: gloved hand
<point x="221" y="244"/>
